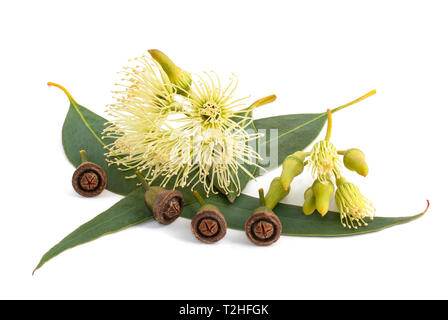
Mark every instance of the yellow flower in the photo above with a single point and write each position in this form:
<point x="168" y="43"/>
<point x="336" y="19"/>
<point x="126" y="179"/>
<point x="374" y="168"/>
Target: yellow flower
<point x="353" y="206"/>
<point x="138" y="116"/>
<point x="197" y="138"/>
<point x="219" y="127"/>
<point x="324" y="161"/>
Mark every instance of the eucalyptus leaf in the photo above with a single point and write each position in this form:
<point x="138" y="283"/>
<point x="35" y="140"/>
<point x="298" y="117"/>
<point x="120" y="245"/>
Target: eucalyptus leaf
<point x="294" y="222"/>
<point x="132" y="210"/>
<point x="82" y="130"/>
<point x="127" y="212"/>
<point x="295" y="132"/>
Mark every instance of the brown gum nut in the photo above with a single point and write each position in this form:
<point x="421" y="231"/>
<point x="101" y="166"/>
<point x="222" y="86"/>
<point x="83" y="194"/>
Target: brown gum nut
<point x="89" y="179"/>
<point x="209" y="225"/>
<point x="263" y="228"/>
<point x="167" y="205"/>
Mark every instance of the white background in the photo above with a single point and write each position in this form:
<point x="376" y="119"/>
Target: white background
<point x="313" y="55"/>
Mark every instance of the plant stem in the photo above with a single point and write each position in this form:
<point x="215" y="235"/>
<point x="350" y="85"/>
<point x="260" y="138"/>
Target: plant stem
<point x="368" y="94"/>
<point x="261" y="197"/>
<point x="322" y="115"/>
<point x="329" y="125"/>
<point x="199" y="198"/>
<point x="83" y="154"/>
<point x="259" y="103"/>
<point x="262" y="101"/>
<point x="142" y="180"/>
<point x="341" y="152"/>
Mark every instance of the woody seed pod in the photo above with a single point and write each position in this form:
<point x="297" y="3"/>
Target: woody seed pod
<point x="89" y="179"/>
<point x="180" y="78"/>
<point x="322" y="192"/>
<point x="166" y="205"/>
<point x="263" y="227"/>
<point x="208" y="224"/>
<point x="310" y="202"/>
<point x="292" y="167"/>
<point x="355" y="160"/>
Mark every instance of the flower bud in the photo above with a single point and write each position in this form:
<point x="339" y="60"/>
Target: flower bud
<point x="292" y="167"/>
<point x="322" y="192"/>
<point x="355" y="160"/>
<point x="310" y="202"/>
<point x="275" y="193"/>
<point x="180" y="78"/>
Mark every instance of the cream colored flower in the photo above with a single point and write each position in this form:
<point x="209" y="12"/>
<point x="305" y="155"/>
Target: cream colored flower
<point x="139" y="116"/>
<point x="201" y="138"/>
<point x="353" y="206"/>
<point x="221" y="134"/>
<point x="324" y="161"/>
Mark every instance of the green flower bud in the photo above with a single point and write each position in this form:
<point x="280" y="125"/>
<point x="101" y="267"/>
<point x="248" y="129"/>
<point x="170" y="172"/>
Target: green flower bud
<point x="275" y="193"/>
<point x="355" y="160"/>
<point x="292" y="167"/>
<point x="322" y="192"/>
<point x="180" y="78"/>
<point x="310" y="202"/>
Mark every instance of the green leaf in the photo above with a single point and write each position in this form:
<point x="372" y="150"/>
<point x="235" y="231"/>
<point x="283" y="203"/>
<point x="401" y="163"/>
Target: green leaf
<point x="82" y="131"/>
<point x="127" y="212"/>
<point x="132" y="210"/>
<point x="295" y="132"/>
<point x="294" y="222"/>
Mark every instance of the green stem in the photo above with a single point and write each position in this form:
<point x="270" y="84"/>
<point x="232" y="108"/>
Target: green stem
<point x="199" y="198"/>
<point x="341" y="152"/>
<point x="83" y="154"/>
<point x="261" y="197"/>
<point x="259" y="103"/>
<point x="142" y="179"/>
<point x="262" y="101"/>
<point x="322" y="115"/>
<point x="301" y="154"/>
<point x="368" y="94"/>
<point x="329" y="125"/>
